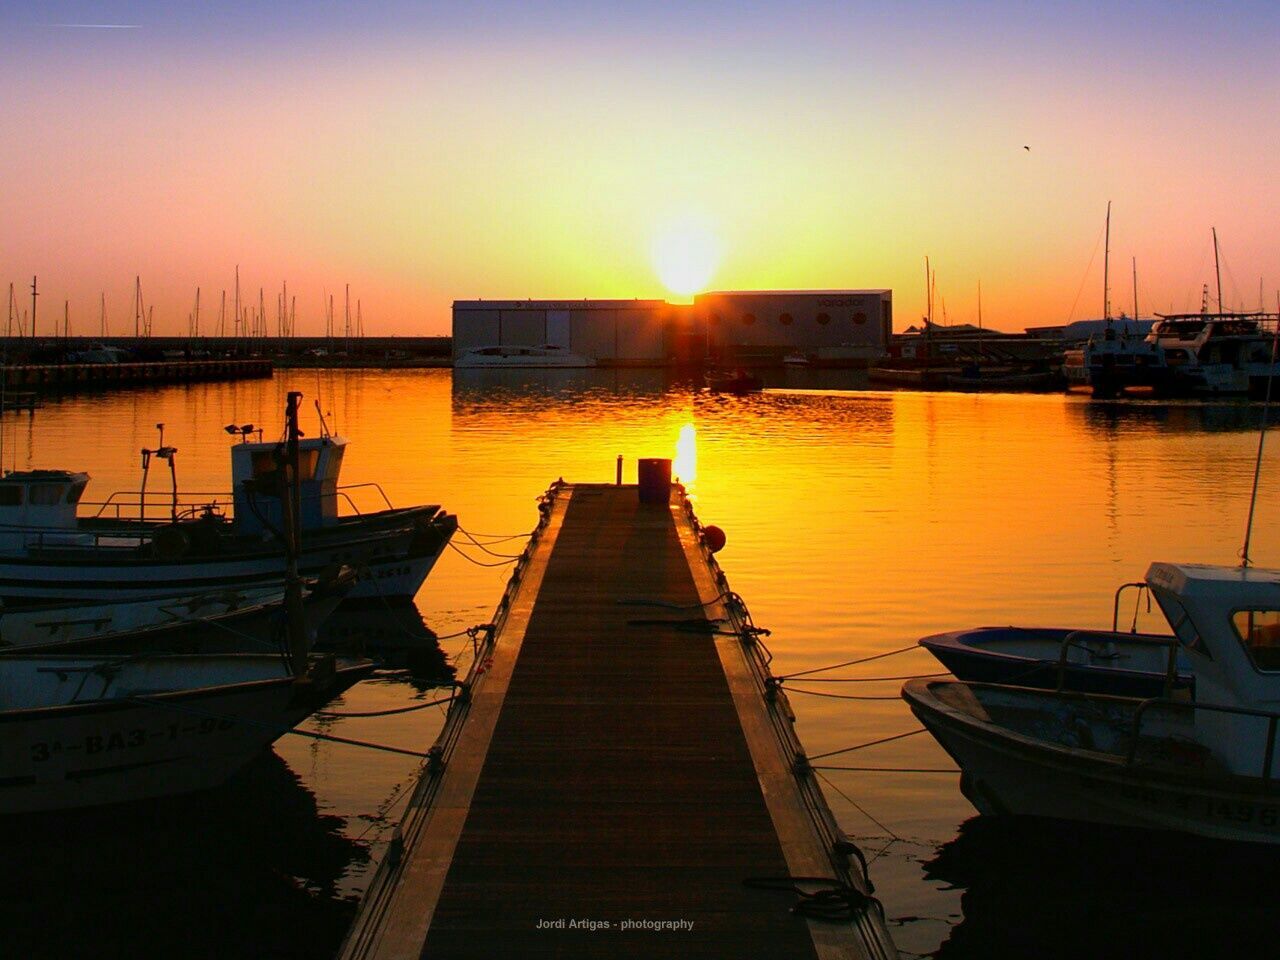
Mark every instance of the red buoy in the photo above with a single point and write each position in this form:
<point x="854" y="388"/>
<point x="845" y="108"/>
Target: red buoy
<point x="714" y="538"/>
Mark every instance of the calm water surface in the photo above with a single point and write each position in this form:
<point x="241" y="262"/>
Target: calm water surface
<point x="857" y="523"/>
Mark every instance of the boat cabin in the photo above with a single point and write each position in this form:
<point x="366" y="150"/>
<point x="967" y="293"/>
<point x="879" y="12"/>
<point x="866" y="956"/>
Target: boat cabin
<point x="39" y="506"/>
<point x="1228" y="621"/>
<point x="257" y="505"/>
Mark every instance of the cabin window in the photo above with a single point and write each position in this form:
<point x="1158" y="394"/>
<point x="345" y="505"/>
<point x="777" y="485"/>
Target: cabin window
<point x="823" y="318"/>
<point x="75" y="493"/>
<point x="46" y="494"/>
<point x="1181" y="623"/>
<point x="859" y="318"/>
<point x="1259" y="631"/>
<point x="748" y="319"/>
<point x="10" y="495"/>
<point x="785" y="319"/>
<point x="264" y="463"/>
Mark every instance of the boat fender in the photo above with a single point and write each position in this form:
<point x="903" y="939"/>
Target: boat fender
<point x="170" y="543"/>
<point x="714" y="538"/>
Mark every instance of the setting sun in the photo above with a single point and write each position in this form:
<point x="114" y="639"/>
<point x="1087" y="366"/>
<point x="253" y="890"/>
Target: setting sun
<point x="685" y="255"/>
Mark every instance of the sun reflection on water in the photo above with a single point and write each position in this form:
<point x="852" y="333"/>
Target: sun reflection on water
<point x="685" y="467"/>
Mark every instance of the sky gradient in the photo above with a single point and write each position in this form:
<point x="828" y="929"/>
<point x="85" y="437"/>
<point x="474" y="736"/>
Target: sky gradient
<point x="425" y="153"/>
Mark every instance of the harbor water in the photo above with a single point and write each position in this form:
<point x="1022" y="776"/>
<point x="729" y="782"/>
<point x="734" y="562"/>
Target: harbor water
<point x="857" y="522"/>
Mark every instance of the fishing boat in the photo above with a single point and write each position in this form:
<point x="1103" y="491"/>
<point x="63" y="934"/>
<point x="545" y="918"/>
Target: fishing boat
<point x="1202" y="765"/>
<point x="545" y="356"/>
<point x="246" y="620"/>
<point x="83" y="731"/>
<point x="54" y="547"/>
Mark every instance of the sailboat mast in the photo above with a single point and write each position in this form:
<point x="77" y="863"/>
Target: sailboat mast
<point x="1106" y="271"/>
<point x="1217" y="269"/>
<point x="1135" y="289"/>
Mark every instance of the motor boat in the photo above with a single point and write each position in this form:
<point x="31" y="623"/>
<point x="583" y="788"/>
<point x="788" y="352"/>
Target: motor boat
<point x="54" y="547"/>
<point x="1202" y="765"/>
<point x="83" y="731"/>
<point x="509" y="355"/>
<point x="1127" y="663"/>
<point x="732" y="381"/>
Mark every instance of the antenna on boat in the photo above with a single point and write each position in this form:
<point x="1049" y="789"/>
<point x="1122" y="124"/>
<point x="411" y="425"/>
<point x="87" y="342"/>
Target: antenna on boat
<point x="288" y="461"/>
<point x="1262" y="436"/>
<point x="163" y="453"/>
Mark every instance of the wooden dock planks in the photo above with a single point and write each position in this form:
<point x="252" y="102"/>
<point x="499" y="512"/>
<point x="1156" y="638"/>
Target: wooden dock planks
<point x="609" y="768"/>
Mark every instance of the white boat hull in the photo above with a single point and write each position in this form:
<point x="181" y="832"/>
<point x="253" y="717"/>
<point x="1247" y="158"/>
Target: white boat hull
<point x="1008" y="774"/>
<point x="386" y="566"/>
<point x="121" y="750"/>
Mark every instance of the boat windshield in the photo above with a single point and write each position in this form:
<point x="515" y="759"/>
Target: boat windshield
<point x="1181" y="623"/>
<point x="1259" y="631"/>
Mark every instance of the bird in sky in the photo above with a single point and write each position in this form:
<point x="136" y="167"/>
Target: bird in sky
<point x="1025" y="147"/>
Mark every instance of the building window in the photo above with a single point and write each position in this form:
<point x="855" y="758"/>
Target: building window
<point x="859" y="318"/>
<point x="824" y="318"/>
<point x="785" y="319"/>
<point x="748" y="319"/>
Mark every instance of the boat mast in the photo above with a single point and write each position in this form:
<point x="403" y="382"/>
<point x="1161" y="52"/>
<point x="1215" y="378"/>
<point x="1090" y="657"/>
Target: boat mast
<point x="34" y="294"/>
<point x="1135" y="289"/>
<point x="1106" y="272"/>
<point x="1217" y="269"/>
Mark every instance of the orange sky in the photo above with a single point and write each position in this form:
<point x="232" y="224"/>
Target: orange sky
<point x="423" y="154"/>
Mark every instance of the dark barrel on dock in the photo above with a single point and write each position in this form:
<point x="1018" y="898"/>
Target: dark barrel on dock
<point x="654" y="480"/>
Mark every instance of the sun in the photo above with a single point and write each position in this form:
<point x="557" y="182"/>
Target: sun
<point x="685" y="255"/>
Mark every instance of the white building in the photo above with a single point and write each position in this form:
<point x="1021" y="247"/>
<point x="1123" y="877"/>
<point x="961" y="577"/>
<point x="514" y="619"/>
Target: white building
<point x="624" y="332"/>
<point x="833" y="326"/>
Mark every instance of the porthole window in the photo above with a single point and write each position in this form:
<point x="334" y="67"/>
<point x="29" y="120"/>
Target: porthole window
<point x="824" y="318"/>
<point x="859" y="318"/>
<point x="785" y="319"/>
<point x="748" y="319"/>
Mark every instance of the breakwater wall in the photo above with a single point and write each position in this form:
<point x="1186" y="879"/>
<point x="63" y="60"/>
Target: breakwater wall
<point x="66" y="377"/>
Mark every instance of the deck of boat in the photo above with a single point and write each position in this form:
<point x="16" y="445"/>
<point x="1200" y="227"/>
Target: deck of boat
<point x="616" y="760"/>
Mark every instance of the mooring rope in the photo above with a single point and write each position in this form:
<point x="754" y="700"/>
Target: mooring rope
<point x="870" y="743"/>
<point x="850" y="663"/>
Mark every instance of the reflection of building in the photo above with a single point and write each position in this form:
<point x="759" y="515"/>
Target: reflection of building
<point x="827" y="326"/>
<point x="624" y="332"/>
<point x="747" y="327"/>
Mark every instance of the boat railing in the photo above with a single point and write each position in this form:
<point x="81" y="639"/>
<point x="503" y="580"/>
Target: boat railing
<point x="1272" y="718"/>
<point x="129" y="505"/>
<point x="1076" y="637"/>
<point x="1141" y="587"/>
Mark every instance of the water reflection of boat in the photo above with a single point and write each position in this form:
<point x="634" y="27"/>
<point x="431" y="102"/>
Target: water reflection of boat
<point x="1110" y="417"/>
<point x="83" y="731"/>
<point x="528" y="357"/>
<point x="396" y="636"/>
<point x="1052" y="889"/>
<point x="1202" y="766"/>
<point x="160" y="878"/>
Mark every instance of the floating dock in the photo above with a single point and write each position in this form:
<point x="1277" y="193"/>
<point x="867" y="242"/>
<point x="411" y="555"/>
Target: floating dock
<point x="618" y="777"/>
